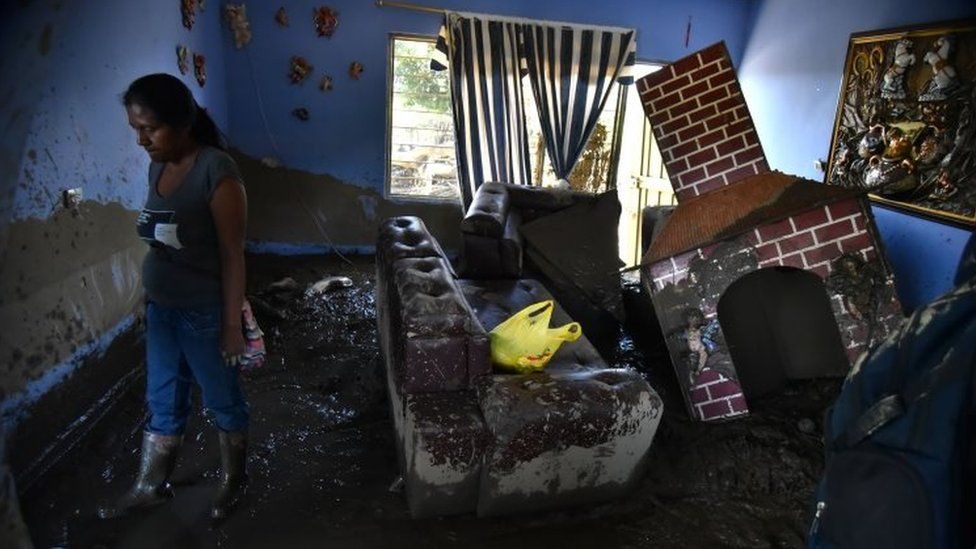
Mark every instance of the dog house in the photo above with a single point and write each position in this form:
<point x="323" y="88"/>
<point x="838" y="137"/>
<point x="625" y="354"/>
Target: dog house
<point x="756" y="275"/>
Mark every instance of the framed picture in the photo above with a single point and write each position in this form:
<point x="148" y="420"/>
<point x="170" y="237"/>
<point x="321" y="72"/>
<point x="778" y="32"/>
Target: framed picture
<point x="905" y="129"/>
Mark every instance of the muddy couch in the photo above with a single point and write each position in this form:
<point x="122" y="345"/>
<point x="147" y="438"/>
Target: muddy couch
<point x="471" y="440"/>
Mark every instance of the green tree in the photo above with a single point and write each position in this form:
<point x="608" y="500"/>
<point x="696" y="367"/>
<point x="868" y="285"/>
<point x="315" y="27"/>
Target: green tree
<point x="412" y="76"/>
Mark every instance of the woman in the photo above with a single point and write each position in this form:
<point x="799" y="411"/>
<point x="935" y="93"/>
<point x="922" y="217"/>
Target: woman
<point x="193" y="221"/>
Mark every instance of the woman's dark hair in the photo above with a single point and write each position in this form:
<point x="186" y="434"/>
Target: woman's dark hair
<point x="173" y="104"/>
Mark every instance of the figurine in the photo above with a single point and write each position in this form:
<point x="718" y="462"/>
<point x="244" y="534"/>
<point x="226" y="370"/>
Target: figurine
<point x="944" y="188"/>
<point x="893" y="82"/>
<point x="200" y="68"/>
<point x="944" y="79"/>
<point x="326" y="83"/>
<point x="236" y="15"/>
<point x="326" y="20"/>
<point x="704" y="351"/>
<point x="872" y="143"/>
<point x="858" y="283"/>
<point x="931" y="147"/>
<point x="281" y="17"/>
<point x="189" y="11"/>
<point x="898" y="144"/>
<point x="183" y="59"/>
<point x="300" y="69"/>
<point x="355" y="69"/>
<point x="890" y="175"/>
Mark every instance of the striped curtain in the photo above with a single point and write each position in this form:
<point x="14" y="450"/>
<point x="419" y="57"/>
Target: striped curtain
<point x="572" y="71"/>
<point x="486" y="93"/>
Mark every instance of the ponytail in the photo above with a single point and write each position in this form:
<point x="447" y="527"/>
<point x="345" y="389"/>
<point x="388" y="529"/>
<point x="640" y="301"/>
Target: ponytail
<point x="204" y="130"/>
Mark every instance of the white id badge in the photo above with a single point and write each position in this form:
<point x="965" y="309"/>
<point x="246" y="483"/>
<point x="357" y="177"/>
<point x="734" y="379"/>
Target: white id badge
<point x="166" y="233"/>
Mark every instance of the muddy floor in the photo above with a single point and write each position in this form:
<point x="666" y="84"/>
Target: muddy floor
<point x="323" y="460"/>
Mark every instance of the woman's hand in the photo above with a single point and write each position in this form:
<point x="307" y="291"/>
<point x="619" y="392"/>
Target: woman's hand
<point x="232" y="344"/>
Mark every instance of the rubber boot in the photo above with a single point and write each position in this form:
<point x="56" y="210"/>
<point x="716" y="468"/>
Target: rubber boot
<point x="156" y="464"/>
<point x="233" y="476"/>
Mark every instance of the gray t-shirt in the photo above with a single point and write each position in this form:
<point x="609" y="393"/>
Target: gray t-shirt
<point x="182" y="268"/>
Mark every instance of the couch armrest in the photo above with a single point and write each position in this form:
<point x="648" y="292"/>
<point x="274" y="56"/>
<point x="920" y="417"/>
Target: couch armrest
<point x="403" y="237"/>
<point x="437" y="342"/>
<point x="488" y="212"/>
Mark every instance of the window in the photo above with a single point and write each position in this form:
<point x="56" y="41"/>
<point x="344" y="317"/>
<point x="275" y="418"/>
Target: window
<point x="421" y="147"/>
<point x="421" y="153"/>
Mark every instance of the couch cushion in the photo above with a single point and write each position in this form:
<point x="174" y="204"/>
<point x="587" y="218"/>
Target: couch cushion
<point x="403" y="237"/>
<point x="430" y="301"/>
<point x="493" y="301"/>
<point x="562" y="439"/>
<point x="580" y="263"/>
<point x="486" y="257"/>
<point x="576" y="432"/>
<point x="488" y="211"/>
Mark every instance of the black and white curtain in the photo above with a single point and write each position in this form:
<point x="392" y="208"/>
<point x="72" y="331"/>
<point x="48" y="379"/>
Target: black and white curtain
<point x="572" y="70"/>
<point x="486" y="93"/>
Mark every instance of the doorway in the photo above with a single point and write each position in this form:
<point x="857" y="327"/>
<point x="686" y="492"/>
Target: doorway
<point x="778" y="325"/>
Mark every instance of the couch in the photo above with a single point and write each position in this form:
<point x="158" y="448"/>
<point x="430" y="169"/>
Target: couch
<point x="568" y="239"/>
<point x="471" y="440"/>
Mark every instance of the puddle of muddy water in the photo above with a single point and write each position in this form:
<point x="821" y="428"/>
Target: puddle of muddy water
<point x="323" y="454"/>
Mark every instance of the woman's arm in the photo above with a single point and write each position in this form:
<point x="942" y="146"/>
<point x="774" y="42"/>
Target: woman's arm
<point x="229" y="209"/>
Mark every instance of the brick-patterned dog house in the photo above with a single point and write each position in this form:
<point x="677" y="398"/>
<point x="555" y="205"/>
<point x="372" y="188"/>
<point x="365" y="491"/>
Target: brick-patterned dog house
<point x="735" y="217"/>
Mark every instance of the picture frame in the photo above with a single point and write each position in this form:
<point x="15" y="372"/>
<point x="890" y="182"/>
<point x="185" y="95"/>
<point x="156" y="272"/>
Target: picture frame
<point x="905" y="125"/>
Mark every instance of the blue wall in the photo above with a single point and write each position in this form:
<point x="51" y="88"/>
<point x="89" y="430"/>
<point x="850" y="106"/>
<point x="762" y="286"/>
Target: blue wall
<point x="791" y="74"/>
<point x="66" y="104"/>
<point x="346" y="135"/>
<point x="70" y="278"/>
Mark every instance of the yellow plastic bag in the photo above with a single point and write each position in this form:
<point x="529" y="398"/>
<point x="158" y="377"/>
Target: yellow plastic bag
<point x="524" y="342"/>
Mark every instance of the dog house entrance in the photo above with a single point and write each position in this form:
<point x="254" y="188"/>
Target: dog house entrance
<point x="778" y="324"/>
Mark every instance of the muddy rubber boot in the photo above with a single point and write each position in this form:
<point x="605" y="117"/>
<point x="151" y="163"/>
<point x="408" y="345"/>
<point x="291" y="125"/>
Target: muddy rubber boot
<point x="233" y="477"/>
<point x="156" y="464"/>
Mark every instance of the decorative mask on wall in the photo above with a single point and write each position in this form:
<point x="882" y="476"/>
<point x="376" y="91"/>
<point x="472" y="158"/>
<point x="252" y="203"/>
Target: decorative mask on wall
<point x="200" y="68"/>
<point x="236" y="15"/>
<point x="355" y="69"/>
<point x="326" y="20"/>
<point x="281" y="17"/>
<point x="300" y="69"/>
<point x="189" y="10"/>
<point x="183" y="58"/>
<point x="301" y="113"/>
<point x="326" y="83"/>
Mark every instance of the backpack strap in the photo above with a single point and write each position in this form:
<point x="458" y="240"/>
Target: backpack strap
<point x="879" y="414"/>
<point x="895" y="402"/>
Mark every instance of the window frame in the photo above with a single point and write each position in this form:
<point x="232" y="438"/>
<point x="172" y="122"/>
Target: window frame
<point x="616" y="137"/>
<point x="388" y="158"/>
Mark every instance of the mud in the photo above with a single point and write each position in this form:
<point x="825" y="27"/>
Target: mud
<point x="324" y="459"/>
<point x="323" y="210"/>
<point x="64" y="280"/>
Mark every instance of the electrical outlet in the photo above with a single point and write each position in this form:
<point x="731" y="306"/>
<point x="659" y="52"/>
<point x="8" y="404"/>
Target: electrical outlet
<point x="72" y="197"/>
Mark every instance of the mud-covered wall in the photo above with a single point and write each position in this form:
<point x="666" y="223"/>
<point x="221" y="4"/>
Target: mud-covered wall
<point x="344" y="141"/>
<point x="295" y="211"/>
<point x="69" y="278"/>
<point x="791" y="74"/>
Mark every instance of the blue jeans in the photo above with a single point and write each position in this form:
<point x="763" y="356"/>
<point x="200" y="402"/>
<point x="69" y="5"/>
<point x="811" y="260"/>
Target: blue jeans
<point x="182" y="346"/>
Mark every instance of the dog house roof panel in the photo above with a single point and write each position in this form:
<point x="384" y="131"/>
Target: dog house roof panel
<point x="725" y="212"/>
